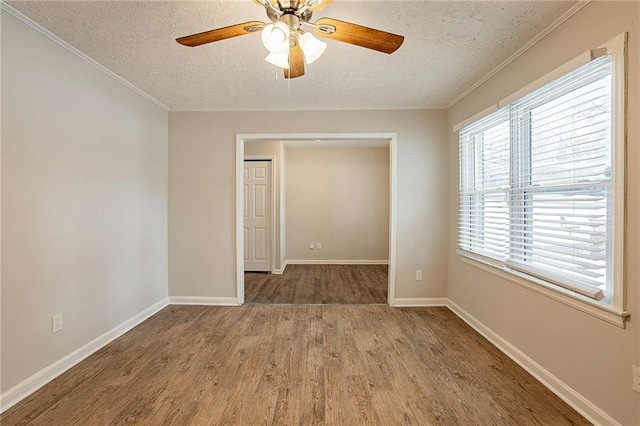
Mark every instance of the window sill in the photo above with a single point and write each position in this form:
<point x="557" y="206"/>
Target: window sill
<point x="567" y="297"/>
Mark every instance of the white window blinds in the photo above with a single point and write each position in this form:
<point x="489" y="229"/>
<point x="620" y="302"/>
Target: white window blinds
<point x="536" y="182"/>
<point x="484" y="186"/>
<point x="562" y="179"/>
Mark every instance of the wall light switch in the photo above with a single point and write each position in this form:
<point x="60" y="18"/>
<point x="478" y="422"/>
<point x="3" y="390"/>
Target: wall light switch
<point x="418" y="274"/>
<point x="56" y="323"/>
<point x="310" y="246"/>
<point x="319" y="246"/>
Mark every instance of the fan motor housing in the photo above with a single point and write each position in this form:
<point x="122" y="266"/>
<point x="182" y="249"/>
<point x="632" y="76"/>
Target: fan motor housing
<point x="289" y="4"/>
<point x="289" y="8"/>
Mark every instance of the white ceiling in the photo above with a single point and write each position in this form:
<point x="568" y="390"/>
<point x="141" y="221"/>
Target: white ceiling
<point x="448" y="47"/>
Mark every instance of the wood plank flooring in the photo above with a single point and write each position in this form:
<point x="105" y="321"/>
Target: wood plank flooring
<point x="296" y="365"/>
<point x="319" y="284"/>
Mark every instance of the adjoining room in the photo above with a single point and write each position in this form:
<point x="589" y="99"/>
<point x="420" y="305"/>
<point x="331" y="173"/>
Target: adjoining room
<point x="331" y="237"/>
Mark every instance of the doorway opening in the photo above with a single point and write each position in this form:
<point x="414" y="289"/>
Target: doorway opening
<point x="279" y="261"/>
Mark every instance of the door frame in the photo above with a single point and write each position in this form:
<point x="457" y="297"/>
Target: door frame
<point x="272" y="222"/>
<point x="241" y="138"/>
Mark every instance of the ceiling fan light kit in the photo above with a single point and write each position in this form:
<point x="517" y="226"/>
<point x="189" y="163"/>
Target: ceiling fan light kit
<point x="275" y="37"/>
<point x="312" y="47"/>
<point x="289" y="45"/>
<point x="280" y="60"/>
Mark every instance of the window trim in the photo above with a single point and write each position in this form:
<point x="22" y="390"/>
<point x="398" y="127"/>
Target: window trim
<point x="567" y="297"/>
<point x="614" y="312"/>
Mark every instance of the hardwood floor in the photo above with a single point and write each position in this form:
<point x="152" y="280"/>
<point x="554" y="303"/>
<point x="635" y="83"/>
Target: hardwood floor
<point x="302" y="365"/>
<point x="319" y="284"/>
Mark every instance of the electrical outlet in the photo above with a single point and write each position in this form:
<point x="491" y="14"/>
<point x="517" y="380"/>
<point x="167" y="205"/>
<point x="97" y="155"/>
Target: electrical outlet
<point x="319" y="246"/>
<point x="636" y="378"/>
<point x="310" y="246"/>
<point x="418" y="274"/>
<point x="56" y="323"/>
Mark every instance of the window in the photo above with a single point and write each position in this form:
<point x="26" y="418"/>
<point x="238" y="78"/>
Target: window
<point x="484" y="155"/>
<point x="540" y="183"/>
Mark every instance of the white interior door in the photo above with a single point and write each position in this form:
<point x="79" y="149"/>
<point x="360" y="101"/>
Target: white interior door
<point x="257" y="216"/>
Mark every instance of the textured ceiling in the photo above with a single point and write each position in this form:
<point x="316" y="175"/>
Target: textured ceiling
<point x="448" y="46"/>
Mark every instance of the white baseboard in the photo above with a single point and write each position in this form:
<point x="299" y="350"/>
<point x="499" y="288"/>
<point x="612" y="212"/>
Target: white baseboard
<point x="281" y="270"/>
<point x="44" y="376"/>
<point x="420" y="302"/>
<point x="337" y="262"/>
<point x="194" y="300"/>
<point x="578" y="402"/>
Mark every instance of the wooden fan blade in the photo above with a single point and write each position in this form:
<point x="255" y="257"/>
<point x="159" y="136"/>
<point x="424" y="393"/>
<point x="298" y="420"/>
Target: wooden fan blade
<point x="273" y="2"/>
<point x="360" y="36"/>
<point x="296" y="63"/>
<point x="220" y="34"/>
<point x="322" y="5"/>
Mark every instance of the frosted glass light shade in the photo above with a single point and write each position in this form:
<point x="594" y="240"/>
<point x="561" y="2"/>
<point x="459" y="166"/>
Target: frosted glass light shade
<point x="311" y="47"/>
<point x="275" y="37"/>
<point x="278" y="59"/>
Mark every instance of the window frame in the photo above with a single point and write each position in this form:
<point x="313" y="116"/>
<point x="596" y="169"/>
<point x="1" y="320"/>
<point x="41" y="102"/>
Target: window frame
<point x="613" y="311"/>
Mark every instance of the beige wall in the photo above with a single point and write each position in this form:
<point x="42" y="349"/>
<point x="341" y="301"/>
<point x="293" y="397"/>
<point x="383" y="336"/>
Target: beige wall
<point x="276" y="150"/>
<point x="340" y="198"/>
<point x="588" y="354"/>
<point x="84" y="202"/>
<point x="202" y="192"/>
<point x="84" y="208"/>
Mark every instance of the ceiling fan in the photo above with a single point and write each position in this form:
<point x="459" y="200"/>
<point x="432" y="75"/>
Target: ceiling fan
<point x="288" y="39"/>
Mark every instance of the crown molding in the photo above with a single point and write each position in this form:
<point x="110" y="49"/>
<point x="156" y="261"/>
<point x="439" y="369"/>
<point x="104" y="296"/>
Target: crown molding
<point x="555" y="24"/>
<point x="39" y="28"/>
<point x="290" y="109"/>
